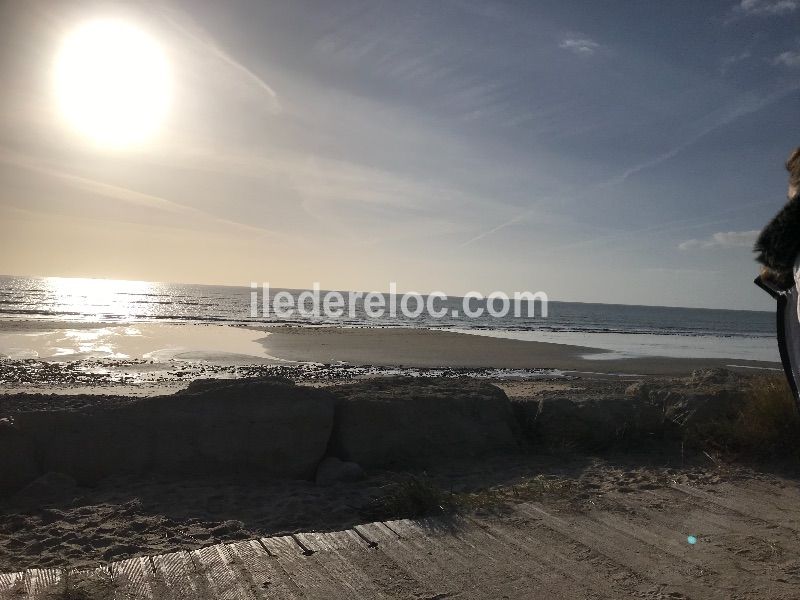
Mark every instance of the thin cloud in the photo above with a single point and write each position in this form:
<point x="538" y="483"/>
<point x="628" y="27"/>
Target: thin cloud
<point x="746" y="106"/>
<point x="790" y="58"/>
<point x="487" y="233"/>
<point x="768" y="7"/>
<point x="723" y="239"/>
<point x="677" y="225"/>
<point x="123" y="194"/>
<point x="730" y="61"/>
<point x="582" y="46"/>
<point x="195" y="34"/>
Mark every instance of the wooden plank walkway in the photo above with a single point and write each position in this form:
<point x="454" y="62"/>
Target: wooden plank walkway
<point x="747" y="548"/>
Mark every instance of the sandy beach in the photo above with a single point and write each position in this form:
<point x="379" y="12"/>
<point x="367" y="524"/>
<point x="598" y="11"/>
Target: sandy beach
<point x="146" y="358"/>
<point x="89" y="368"/>
<point x="454" y="300"/>
<point x="422" y="348"/>
<point x="83" y="527"/>
<point x="63" y="522"/>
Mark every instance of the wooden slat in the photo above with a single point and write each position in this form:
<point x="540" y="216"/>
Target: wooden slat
<point x="332" y="541"/>
<point x="533" y="552"/>
<point x="503" y="569"/>
<point x="691" y="510"/>
<point x="281" y="545"/>
<point x="134" y="579"/>
<point x="223" y="577"/>
<point x="651" y="561"/>
<point x="672" y="543"/>
<point x="304" y="570"/>
<point x="523" y="545"/>
<point x="47" y="584"/>
<point x="768" y="503"/>
<point x="262" y="572"/>
<point x="42" y="583"/>
<point x="9" y="580"/>
<point x="738" y="504"/>
<point x="425" y="561"/>
<point x="548" y="562"/>
<point x="376" y="532"/>
<point x="486" y="567"/>
<point x="784" y="492"/>
<point x="726" y="568"/>
<point x="737" y="557"/>
<point x="729" y="530"/>
<point x="179" y="577"/>
<point x="330" y="552"/>
<point x="409" y="560"/>
<point x="686" y="517"/>
<point x="12" y="585"/>
<point x="94" y="583"/>
<point x="369" y="560"/>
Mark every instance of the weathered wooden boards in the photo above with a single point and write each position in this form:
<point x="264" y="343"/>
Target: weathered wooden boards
<point x="746" y="547"/>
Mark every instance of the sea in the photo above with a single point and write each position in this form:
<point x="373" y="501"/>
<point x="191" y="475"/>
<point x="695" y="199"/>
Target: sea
<point x="622" y="330"/>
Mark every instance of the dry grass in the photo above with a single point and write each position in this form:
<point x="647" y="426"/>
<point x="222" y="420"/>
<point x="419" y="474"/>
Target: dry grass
<point x="534" y="489"/>
<point x="412" y="496"/>
<point x="767" y="425"/>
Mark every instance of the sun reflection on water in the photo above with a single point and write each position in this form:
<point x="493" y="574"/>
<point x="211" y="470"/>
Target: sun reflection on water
<point x="98" y="298"/>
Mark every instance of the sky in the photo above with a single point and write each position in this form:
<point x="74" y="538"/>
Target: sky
<point x="623" y="152"/>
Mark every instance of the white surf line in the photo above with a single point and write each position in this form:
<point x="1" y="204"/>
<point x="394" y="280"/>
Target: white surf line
<point x="606" y="374"/>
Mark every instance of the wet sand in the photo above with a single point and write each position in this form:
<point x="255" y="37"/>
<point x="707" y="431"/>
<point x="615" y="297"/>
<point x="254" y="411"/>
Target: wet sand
<point x="421" y="348"/>
<point x="149" y="344"/>
<point x="156" y="342"/>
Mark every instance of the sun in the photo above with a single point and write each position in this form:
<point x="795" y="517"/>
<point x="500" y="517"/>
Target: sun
<point x="112" y="83"/>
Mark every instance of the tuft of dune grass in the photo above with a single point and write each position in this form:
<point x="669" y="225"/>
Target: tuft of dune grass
<point x="412" y="496"/>
<point x="417" y="496"/>
<point x="766" y="426"/>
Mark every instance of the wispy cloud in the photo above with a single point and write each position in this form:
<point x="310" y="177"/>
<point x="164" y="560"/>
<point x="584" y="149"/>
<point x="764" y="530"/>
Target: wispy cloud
<point x="198" y="36"/>
<point x="488" y="232"/>
<point x="580" y="45"/>
<point x="790" y="58"/>
<point x="746" y="105"/>
<point x="723" y="239"/>
<point x="121" y="193"/>
<point x="768" y="7"/>
<point x="730" y="61"/>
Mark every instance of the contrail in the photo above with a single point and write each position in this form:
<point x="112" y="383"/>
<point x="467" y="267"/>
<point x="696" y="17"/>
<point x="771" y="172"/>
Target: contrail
<point x="124" y="194"/>
<point x="489" y="232"/>
<point x="200" y="37"/>
<point x="750" y="106"/>
<point x="746" y="108"/>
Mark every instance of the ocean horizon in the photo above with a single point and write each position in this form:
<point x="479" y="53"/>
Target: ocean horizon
<point x="622" y="330"/>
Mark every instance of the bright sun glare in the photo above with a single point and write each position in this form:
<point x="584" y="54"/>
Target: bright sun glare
<point x="112" y="83"/>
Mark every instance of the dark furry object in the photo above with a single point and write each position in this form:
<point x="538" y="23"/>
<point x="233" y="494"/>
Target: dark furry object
<point x="793" y="166"/>
<point x="778" y="245"/>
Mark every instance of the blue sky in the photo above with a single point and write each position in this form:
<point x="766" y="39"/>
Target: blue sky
<point x="599" y="151"/>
